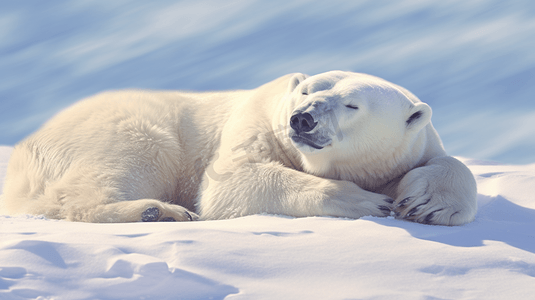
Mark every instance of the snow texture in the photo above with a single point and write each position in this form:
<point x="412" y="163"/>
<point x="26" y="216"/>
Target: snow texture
<point x="472" y="61"/>
<point x="278" y="257"/>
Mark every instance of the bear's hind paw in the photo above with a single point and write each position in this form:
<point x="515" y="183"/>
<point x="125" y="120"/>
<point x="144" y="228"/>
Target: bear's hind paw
<point x="155" y="214"/>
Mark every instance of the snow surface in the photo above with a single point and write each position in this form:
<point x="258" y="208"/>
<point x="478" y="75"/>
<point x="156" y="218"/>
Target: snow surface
<point x="278" y="257"/>
<point x="472" y="61"/>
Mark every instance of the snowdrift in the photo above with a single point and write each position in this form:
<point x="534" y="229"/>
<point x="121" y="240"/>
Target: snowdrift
<point x="278" y="257"/>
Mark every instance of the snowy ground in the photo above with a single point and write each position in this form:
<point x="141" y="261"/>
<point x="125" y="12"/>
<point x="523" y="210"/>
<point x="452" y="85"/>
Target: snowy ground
<point x="277" y="257"/>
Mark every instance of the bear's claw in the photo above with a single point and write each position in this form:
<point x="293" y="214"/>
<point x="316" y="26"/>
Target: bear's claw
<point x="403" y="202"/>
<point x="189" y="215"/>
<point x="389" y="200"/>
<point x="384" y="208"/>
<point x="430" y="216"/>
<point x="412" y="212"/>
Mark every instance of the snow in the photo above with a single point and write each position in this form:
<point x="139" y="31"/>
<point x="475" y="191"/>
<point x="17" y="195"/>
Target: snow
<point x="279" y="257"/>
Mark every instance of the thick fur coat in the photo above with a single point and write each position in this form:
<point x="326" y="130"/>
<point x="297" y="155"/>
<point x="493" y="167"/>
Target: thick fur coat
<point x="338" y="144"/>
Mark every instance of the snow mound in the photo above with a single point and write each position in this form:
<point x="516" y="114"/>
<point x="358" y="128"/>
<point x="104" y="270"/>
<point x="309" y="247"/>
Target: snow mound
<point x="270" y="257"/>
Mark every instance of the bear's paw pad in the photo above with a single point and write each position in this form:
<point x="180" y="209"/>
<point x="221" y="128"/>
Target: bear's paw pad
<point x="151" y="214"/>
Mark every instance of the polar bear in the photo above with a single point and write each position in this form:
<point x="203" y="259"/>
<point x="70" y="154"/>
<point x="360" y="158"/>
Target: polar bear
<point x="335" y="144"/>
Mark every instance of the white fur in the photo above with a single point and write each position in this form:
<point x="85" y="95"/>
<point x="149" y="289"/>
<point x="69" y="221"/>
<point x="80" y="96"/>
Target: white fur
<point x="111" y="157"/>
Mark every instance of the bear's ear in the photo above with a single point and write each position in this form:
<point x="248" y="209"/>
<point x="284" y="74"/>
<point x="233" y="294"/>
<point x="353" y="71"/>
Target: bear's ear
<point x="296" y="79"/>
<point x="418" y="117"/>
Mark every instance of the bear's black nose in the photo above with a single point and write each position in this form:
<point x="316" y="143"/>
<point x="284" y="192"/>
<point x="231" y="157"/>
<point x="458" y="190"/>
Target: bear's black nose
<point x="302" y="122"/>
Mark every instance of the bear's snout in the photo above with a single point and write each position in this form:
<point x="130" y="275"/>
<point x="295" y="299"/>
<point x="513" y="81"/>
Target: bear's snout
<point x="302" y="122"/>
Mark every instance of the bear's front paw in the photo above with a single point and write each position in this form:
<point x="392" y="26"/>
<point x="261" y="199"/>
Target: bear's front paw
<point x="351" y="201"/>
<point x="423" y="210"/>
<point x="430" y="208"/>
<point x="443" y="192"/>
<point x="376" y="208"/>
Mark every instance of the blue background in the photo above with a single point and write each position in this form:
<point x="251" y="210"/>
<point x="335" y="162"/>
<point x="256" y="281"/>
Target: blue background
<point x="472" y="61"/>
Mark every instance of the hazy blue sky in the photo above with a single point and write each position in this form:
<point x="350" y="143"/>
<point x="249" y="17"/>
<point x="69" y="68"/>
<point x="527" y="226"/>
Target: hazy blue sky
<point x="472" y="61"/>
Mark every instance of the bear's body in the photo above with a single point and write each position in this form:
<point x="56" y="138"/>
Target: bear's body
<point x="338" y="143"/>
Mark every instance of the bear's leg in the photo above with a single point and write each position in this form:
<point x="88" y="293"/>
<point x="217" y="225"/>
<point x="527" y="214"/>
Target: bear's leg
<point x="272" y="188"/>
<point x="443" y="192"/>
<point x="146" y="210"/>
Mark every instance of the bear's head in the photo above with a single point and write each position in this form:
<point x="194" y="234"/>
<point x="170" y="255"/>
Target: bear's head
<point x="355" y="127"/>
